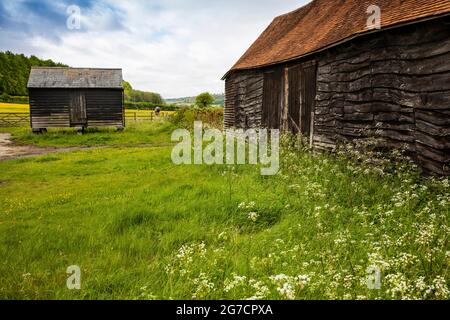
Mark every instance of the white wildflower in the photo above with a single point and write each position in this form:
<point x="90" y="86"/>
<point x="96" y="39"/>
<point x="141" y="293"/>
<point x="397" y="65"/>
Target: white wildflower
<point x="236" y="281"/>
<point x="204" y="286"/>
<point x="253" y="216"/>
<point x="262" y="291"/>
<point x="287" y="291"/>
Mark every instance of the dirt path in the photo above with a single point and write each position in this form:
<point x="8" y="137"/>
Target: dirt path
<point x="9" y="151"/>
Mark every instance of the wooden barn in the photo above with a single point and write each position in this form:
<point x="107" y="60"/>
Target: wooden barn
<point x="327" y="72"/>
<point x="80" y="98"/>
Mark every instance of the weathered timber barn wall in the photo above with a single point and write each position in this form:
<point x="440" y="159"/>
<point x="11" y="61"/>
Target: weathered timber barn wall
<point x="243" y="100"/>
<point x="393" y="85"/>
<point x="324" y="71"/>
<point x="66" y="97"/>
<point x="50" y="108"/>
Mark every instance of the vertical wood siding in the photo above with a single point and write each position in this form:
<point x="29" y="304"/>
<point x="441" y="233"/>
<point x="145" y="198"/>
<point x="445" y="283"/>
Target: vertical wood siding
<point x="308" y="97"/>
<point x="77" y="108"/>
<point x="272" y="98"/>
<point x="301" y="97"/>
<point x="294" y="98"/>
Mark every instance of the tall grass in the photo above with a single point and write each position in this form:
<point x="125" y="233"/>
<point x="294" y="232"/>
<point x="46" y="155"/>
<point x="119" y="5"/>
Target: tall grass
<point x="142" y="228"/>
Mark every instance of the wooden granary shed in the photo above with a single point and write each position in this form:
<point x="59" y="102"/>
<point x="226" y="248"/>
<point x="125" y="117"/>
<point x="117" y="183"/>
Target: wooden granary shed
<point x="327" y="72"/>
<point x="80" y="98"/>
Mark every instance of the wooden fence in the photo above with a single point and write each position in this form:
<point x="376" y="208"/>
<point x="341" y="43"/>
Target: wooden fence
<point x="18" y="119"/>
<point x="145" y="116"/>
<point x="14" y="119"/>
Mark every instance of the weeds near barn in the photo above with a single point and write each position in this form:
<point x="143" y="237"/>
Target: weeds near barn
<point x="147" y="229"/>
<point x="340" y="216"/>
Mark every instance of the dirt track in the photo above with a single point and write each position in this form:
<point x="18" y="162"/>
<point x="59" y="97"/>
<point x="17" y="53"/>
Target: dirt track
<point x="9" y="151"/>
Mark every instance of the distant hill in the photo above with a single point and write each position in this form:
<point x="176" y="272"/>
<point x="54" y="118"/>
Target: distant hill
<point x="219" y="100"/>
<point x="15" y="69"/>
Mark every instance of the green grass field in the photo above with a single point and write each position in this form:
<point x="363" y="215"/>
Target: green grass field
<point x="137" y="133"/>
<point x="140" y="227"/>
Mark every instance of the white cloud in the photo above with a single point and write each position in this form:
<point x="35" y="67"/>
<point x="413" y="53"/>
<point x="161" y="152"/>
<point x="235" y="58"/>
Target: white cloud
<point x="174" y="47"/>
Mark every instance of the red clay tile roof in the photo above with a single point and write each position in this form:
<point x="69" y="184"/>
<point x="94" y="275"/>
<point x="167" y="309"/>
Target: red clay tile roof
<point x="322" y="23"/>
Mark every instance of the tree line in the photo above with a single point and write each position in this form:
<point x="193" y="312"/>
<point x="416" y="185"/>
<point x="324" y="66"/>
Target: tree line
<point x="136" y="96"/>
<point x="15" y="69"/>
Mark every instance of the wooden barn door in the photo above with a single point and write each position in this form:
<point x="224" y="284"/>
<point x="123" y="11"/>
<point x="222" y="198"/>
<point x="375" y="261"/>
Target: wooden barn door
<point x="294" y="97"/>
<point x="272" y="94"/>
<point x="78" y="108"/>
<point x="302" y="95"/>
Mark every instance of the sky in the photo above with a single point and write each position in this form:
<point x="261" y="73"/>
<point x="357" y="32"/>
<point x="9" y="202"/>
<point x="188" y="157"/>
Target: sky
<point x="177" y="48"/>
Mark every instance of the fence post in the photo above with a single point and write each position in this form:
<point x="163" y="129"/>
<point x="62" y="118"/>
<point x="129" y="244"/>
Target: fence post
<point x="135" y="116"/>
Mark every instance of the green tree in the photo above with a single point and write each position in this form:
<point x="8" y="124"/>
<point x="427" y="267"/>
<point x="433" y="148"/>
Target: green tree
<point x="141" y="96"/>
<point x="204" y="100"/>
<point x="15" y="69"/>
<point x="127" y="86"/>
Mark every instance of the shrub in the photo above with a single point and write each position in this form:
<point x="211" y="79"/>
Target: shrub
<point x="185" y="118"/>
<point x="204" y="100"/>
<point x="13" y="99"/>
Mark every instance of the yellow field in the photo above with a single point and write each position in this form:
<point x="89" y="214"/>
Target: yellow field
<point x="13" y="107"/>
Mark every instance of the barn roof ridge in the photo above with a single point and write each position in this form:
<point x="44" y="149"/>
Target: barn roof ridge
<point x="321" y="24"/>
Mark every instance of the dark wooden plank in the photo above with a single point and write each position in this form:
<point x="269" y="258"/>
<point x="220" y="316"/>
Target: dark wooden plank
<point x="272" y="97"/>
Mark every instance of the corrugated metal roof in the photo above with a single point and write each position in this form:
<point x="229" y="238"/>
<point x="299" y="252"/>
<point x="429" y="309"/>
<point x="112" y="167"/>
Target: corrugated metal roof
<point x="324" y="23"/>
<point x="75" y="78"/>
